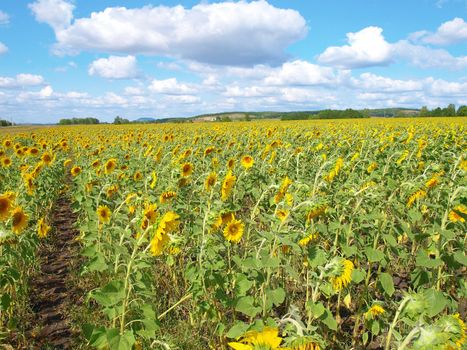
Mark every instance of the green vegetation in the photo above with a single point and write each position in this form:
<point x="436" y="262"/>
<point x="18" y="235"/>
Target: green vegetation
<point x="75" y="121"/>
<point x="5" y="123"/>
<point x="449" y="111"/>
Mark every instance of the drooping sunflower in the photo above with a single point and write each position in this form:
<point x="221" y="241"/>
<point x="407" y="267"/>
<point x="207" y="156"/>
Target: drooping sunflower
<point x="286" y="182"/>
<point x="110" y="166"/>
<point x="150" y="213"/>
<point x="103" y="214"/>
<point x="28" y="180"/>
<point x="227" y="185"/>
<point x="42" y="228"/>
<point x="67" y="163"/>
<point x="233" y="232"/>
<point x="374" y="311"/>
<point x="211" y="180"/>
<point x="308" y="239"/>
<point x="187" y="169"/>
<point x="415" y="197"/>
<point x="268" y="339"/>
<point x="458" y="213"/>
<point x="154" y="180"/>
<point x="5" y="207"/>
<point x="75" y="171"/>
<point x="19" y="220"/>
<point x="168" y="224"/>
<point x="342" y="274"/>
<point x="316" y="211"/>
<point x="247" y="161"/>
<point x="230" y="163"/>
<point x="166" y="196"/>
<point x="282" y="214"/>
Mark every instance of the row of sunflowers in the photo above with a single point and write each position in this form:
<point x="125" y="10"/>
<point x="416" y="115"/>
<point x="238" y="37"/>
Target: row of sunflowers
<point x="257" y="235"/>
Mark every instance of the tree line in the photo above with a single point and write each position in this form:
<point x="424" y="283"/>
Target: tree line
<point x="5" y="123"/>
<point x="449" y="111"/>
<point x="76" y="121"/>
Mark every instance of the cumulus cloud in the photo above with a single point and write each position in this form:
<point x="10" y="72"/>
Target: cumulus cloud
<point x="171" y="87"/>
<point x="226" y="33"/>
<point x="4" y="18"/>
<point x="373" y="83"/>
<point x="450" y="32"/>
<point x="3" y="48"/>
<point x="21" y="80"/>
<point x="114" y="67"/>
<point x="56" y="13"/>
<point x="369" y="48"/>
<point x="366" y="48"/>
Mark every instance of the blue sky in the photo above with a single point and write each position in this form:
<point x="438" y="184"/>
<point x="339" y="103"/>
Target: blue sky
<point x="64" y="58"/>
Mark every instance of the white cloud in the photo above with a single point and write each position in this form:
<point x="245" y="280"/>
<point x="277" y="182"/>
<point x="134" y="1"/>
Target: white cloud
<point x="301" y="73"/>
<point x="373" y="83"/>
<point x="3" y="48"/>
<point x="43" y="94"/>
<point x="114" y="67"/>
<point x="366" y="48"/>
<point x="185" y="99"/>
<point x="4" y="18"/>
<point x="369" y="48"/>
<point x="426" y="57"/>
<point x="133" y="91"/>
<point x="171" y="87"/>
<point x="21" y="80"/>
<point x="450" y="32"/>
<point x="226" y="33"/>
<point x="56" y="13"/>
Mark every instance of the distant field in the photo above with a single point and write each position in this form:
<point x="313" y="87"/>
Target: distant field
<point x="299" y="235"/>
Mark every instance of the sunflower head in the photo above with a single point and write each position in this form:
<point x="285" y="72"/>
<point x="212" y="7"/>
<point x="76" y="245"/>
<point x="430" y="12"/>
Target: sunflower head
<point x="247" y="161"/>
<point x="6" y="162"/>
<point x="233" y="231"/>
<point x="19" y="220"/>
<point x="166" y="196"/>
<point x="42" y="228"/>
<point x="187" y="169"/>
<point x="110" y="166"/>
<point x="75" y="171"/>
<point x="103" y="214"/>
<point x="210" y="181"/>
<point x="5" y="207"/>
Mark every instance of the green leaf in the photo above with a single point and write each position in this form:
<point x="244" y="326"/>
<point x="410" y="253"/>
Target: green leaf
<point x="277" y="296"/>
<point x="436" y="302"/>
<point x="111" y="294"/>
<point x="120" y="342"/>
<point x="328" y="319"/>
<point x="358" y="275"/>
<point x="460" y="257"/>
<point x="237" y="330"/>
<point x="243" y="284"/>
<point x="423" y="260"/>
<point x="245" y="305"/>
<point x="96" y="336"/>
<point x="374" y="255"/>
<point x="5" y="301"/>
<point x="97" y="264"/>
<point x="316" y="309"/>
<point x="385" y="279"/>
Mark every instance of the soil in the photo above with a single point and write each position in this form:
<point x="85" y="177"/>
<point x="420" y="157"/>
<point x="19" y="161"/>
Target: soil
<point x="52" y="294"/>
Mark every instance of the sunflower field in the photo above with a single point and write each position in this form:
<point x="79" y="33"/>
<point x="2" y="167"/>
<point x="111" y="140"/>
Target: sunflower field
<point x="305" y="235"/>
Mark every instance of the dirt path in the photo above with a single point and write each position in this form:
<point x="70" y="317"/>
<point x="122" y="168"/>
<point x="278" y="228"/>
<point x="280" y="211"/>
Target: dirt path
<point x="52" y="296"/>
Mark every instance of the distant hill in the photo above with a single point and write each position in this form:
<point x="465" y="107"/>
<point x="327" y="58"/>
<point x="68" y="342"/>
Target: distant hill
<point x="145" y="120"/>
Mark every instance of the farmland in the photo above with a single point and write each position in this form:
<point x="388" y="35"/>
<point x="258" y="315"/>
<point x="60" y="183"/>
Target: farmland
<point x="316" y="234"/>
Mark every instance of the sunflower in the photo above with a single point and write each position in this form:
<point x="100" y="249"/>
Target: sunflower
<point x="415" y="197"/>
<point x="458" y="213"/>
<point x="29" y="183"/>
<point x="286" y="182"/>
<point x="67" y="163"/>
<point x="138" y="176"/>
<point x="247" y="162"/>
<point x="233" y="232"/>
<point x="6" y="162"/>
<point x="268" y="339"/>
<point x="316" y="211"/>
<point x="210" y="181"/>
<point x="227" y="185"/>
<point x="47" y="158"/>
<point x="167" y="196"/>
<point x="19" y="220"/>
<point x="282" y="214"/>
<point x="42" y="228"/>
<point x="7" y="143"/>
<point x="168" y="224"/>
<point x="154" y="180"/>
<point x="187" y="169"/>
<point x="374" y="311"/>
<point x="343" y="275"/>
<point x="150" y="213"/>
<point x="75" y="171"/>
<point x="110" y="166"/>
<point x="103" y="214"/>
<point x="371" y="167"/>
<point x="111" y="190"/>
<point x="5" y="207"/>
<point x="230" y="163"/>
<point x="96" y="163"/>
<point x="308" y="239"/>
